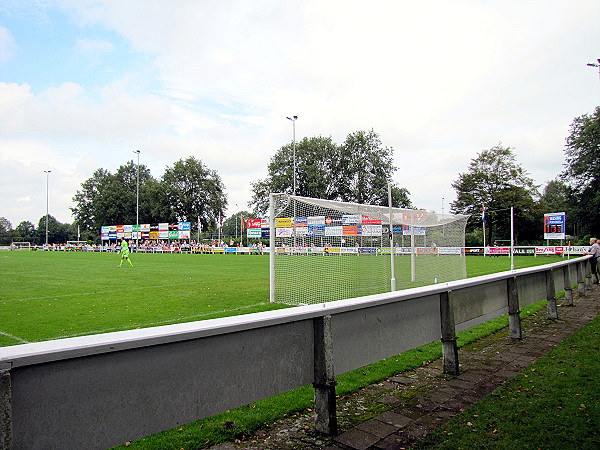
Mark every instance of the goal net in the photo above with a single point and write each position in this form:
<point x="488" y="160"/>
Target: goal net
<point x="22" y="245"/>
<point x="324" y="250"/>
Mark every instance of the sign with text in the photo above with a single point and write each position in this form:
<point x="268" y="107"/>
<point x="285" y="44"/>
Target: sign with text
<point x="554" y="225"/>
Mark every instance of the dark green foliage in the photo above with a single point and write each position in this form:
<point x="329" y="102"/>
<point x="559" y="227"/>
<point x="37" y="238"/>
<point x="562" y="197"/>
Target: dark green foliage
<point x="187" y="190"/>
<point x="496" y="180"/>
<point x="582" y="171"/>
<point x="356" y="171"/>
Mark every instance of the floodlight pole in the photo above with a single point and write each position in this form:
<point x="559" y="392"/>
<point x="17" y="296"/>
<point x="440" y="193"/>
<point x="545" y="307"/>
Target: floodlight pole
<point x="137" y="203"/>
<point x="596" y="65"/>
<point x="293" y="119"/>
<point x="47" y="172"/>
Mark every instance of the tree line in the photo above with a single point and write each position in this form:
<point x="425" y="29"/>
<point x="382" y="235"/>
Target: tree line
<point x="357" y="170"/>
<point x="495" y="179"/>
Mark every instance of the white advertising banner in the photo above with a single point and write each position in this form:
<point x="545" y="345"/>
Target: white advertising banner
<point x="334" y="231"/>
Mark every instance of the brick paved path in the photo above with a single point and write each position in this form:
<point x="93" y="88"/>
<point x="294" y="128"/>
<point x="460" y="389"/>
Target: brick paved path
<point x="419" y="400"/>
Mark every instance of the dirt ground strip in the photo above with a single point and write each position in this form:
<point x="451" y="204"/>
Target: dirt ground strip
<point x="402" y="409"/>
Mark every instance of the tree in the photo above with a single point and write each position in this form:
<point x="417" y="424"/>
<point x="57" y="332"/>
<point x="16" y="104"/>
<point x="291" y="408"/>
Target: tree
<point x="193" y="191"/>
<point x="232" y="226"/>
<point x="86" y="210"/>
<point x="527" y="216"/>
<point x="496" y="180"/>
<point x="582" y="171"/>
<point x="154" y="203"/>
<point x="57" y="232"/>
<point x="363" y="170"/>
<point x="357" y="171"/>
<point x="107" y="199"/>
<point x="5" y="231"/>
<point x="25" y="232"/>
<point x="555" y="197"/>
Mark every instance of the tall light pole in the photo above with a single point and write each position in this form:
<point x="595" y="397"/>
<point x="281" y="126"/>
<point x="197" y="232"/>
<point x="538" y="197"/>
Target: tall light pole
<point x="47" y="172"/>
<point x="137" y="204"/>
<point x="596" y="65"/>
<point x="293" y="119"/>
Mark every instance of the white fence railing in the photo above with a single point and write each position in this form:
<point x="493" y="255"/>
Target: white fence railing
<point x="101" y="390"/>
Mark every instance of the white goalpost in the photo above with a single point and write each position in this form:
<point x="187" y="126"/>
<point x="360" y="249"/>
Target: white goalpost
<point x="324" y="250"/>
<point x="22" y="245"/>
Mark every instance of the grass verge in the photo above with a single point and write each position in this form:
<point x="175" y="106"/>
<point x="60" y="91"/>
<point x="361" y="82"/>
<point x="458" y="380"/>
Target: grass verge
<point x="555" y="403"/>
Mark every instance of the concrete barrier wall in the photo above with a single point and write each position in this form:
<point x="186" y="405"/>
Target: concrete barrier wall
<point x="102" y="390"/>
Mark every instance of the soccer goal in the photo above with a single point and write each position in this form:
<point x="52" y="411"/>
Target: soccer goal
<point x="76" y="243"/>
<point x="22" y="245"/>
<point x="324" y="250"/>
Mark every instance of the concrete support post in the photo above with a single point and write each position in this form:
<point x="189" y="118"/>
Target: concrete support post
<point x="514" y="312"/>
<point x="449" y="347"/>
<point x="568" y="285"/>
<point x="551" y="295"/>
<point x="5" y="410"/>
<point x="587" y="273"/>
<point x="324" y="384"/>
<point x="580" y="279"/>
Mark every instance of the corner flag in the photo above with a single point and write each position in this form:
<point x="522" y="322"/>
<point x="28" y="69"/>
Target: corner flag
<point x="483" y="213"/>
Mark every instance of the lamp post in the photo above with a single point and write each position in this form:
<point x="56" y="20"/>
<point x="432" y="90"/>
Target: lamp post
<point x="293" y="119"/>
<point x="137" y="203"/>
<point x="47" y="172"/>
<point x="596" y="65"/>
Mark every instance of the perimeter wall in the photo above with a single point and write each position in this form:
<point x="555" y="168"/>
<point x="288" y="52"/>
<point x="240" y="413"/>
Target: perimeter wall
<point x="99" y="391"/>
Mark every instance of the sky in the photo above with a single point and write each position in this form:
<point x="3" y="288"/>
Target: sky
<point x="84" y="83"/>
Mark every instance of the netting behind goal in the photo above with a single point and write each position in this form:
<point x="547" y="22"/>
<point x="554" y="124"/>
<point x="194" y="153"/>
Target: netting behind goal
<point x="22" y="245"/>
<point x="323" y="250"/>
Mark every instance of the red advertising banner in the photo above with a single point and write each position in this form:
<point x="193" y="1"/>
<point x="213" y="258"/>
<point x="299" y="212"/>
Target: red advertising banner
<point x="497" y="251"/>
<point x="253" y="223"/>
<point x="367" y="221"/>
<point x="549" y="250"/>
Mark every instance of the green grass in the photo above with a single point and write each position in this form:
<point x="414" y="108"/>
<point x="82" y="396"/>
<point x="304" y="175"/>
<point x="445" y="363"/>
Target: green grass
<point x="52" y="295"/>
<point x="56" y="295"/>
<point x="555" y="403"/>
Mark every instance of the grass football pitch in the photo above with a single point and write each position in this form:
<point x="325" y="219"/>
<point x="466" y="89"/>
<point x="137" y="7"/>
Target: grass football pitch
<point x="53" y="295"/>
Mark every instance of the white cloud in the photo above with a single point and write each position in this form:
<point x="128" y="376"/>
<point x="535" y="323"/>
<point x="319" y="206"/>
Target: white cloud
<point x="7" y="45"/>
<point x="439" y="81"/>
<point x="93" y="46"/>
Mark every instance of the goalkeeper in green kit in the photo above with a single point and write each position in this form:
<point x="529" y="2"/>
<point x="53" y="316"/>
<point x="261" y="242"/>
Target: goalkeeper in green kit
<point x="125" y="252"/>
